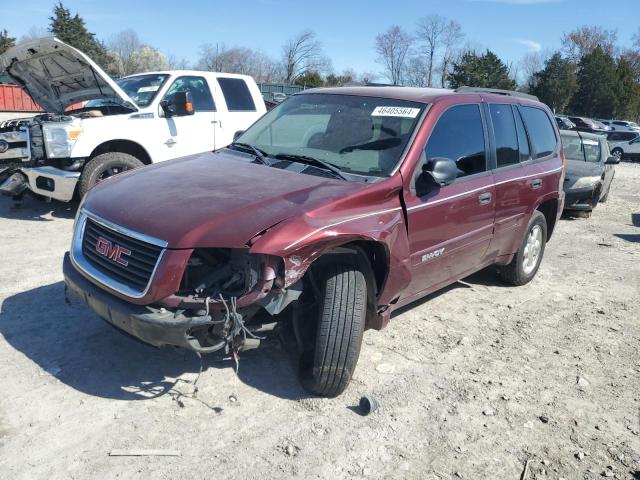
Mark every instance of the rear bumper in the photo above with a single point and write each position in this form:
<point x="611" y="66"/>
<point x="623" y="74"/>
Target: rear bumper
<point x="155" y="326"/>
<point x="584" y="199"/>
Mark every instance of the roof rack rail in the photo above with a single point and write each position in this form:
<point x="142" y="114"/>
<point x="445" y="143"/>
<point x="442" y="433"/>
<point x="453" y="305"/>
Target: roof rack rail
<point x="496" y="91"/>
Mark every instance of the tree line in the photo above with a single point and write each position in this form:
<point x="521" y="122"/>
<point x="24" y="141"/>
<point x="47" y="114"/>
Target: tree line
<point x="590" y="75"/>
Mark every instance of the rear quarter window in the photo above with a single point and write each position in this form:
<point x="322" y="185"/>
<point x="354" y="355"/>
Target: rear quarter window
<point x="541" y="133"/>
<point x="236" y="95"/>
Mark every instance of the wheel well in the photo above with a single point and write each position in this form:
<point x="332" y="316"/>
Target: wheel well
<point x="372" y="258"/>
<point x="124" y="146"/>
<point x="549" y="209"/>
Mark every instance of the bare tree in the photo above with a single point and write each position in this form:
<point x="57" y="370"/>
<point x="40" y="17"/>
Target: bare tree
<point x="123" y="46"/>
<point x="392" y="48"/>
<point x="176" y="63"/>
<point x="451" y="40"/>
<point x="219" y="58"/>
<point x="430" y="31"/>
<point x="35" y="32"/>
<point x="300" y="54"/>
<point x="416" y="74"/>
<point x="531" y="63"/>
<point x="585" y="39"/>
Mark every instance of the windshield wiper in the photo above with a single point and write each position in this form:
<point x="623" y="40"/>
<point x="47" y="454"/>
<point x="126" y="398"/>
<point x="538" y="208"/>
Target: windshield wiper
<point x="311" y="161"/>
<point x="260" y="155"/>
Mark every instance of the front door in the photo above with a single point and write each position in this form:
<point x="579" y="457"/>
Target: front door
<point x="451" y="227"/>
<point x="189" y="134"/>
<point x="241" y="110"/>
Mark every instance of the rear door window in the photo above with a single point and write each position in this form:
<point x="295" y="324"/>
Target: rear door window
<point x="236" y="95"/>
<point x="459" y="135"/>
<point x="541" y="132"/>
<point x="506" y="137"/>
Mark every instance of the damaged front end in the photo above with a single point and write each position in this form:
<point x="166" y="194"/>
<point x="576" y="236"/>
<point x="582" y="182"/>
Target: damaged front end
<point x="226" y="299"/>
<point x="235" y="293"/>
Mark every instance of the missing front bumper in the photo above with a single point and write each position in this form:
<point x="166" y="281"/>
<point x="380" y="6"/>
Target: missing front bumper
<point x="155" y="326"/>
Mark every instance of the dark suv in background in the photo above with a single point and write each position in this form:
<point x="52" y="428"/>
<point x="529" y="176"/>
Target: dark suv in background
<point x="333" y="210"/>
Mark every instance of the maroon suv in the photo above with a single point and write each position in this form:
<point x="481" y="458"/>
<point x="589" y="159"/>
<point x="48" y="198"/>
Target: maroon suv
<point x="333" y="210"/>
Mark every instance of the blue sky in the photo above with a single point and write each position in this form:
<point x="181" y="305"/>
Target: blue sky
<point x="346" y="28"/>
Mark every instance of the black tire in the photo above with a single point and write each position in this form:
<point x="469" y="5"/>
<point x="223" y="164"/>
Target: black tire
<point x="328" y="368"/>
<point x="515" y="272"/>
<point x="617" y="152"/>
<point x="103" y="166"/>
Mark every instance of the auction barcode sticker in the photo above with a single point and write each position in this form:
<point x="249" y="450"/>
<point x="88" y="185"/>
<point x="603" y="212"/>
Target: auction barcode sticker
<point x="395" y="112"/>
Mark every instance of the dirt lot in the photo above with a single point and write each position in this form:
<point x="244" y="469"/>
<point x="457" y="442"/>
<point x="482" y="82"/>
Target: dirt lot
<point x="472" y="382"/>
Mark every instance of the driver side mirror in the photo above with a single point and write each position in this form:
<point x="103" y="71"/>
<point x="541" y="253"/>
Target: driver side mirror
<point x="613" y="160"/>
<point x="180" y="105"/>
<point x="442" y="171"/>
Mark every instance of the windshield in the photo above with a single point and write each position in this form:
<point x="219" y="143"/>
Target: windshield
<point x="142" y="88"/>
<point x="360" y="135"/>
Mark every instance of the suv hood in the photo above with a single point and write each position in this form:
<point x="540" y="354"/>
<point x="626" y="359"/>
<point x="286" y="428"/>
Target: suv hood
<point x="56" y="75"/>
<point x="210" y="200"/>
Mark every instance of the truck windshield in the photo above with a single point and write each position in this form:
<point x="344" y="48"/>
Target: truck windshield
<point x="356" y="134"/>
<point x="142" y="88"/>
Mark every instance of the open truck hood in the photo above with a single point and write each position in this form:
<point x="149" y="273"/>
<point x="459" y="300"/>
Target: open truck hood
<point x="56" y="75"/>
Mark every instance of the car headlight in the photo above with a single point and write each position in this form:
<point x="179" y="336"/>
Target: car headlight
<point x="584" y="182"/>
<point x="59" y="138"/>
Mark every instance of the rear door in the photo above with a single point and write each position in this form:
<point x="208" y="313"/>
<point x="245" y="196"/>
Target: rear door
<point x="516" y="189"/>
<point x="450" y="227"/>
<point x="189" y="134"/>
<point x="241" y="110"/>
<point x="527" y="169"/>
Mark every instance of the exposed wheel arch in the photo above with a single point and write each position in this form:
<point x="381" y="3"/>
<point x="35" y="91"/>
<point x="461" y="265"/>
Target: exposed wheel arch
<point x="549" y="209"/>
<point x="124" y="146"/>
<point x="372" y="258"/>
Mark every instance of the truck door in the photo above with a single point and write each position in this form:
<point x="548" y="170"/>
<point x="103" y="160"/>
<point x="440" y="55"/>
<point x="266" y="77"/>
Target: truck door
<point x="241" y="110"/>
<point x="451" y="227"/>
<point x="189" y="134"/>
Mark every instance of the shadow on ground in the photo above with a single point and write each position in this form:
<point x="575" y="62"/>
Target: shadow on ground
<point x="90" y="356"/>
<point x="35" y="209"/>
<point x="486" y="277"/>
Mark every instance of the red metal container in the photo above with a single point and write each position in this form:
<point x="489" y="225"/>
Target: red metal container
<point x="14" y="99"/>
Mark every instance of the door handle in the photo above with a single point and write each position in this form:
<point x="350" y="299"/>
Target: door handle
<point x="537" y="183"/>
<point x="170" y="143"/>
<point x="484" y="198"/>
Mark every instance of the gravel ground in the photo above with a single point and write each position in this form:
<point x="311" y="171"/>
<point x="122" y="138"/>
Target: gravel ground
<point x="474" y="382"/>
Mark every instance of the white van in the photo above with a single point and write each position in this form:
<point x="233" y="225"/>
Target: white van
<point x="96" y="127"/>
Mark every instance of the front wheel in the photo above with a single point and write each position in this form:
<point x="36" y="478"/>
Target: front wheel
<point x="526" y="261"/>
<point x="103" y="166"/>
<point x="327" y="367"/>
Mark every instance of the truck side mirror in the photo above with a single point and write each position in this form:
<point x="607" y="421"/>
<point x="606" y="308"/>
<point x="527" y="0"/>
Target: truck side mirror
<point x="237" y="135"/>
<point x="180" y="105"/>
<point x="612" y="160"/>
<point x="442" y="171"/>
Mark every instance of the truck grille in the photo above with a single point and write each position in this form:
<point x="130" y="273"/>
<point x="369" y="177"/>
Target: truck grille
<point x="126" y="260"/>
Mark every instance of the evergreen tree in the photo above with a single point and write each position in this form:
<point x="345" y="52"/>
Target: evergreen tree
<point x="487" y="70"/>
<point x="628" y="91"/>
<point x="555" y="84"/>
<point x="6" y="42"/>
<point x="310" y="78"/>
<point x="72" y="30"/>
<point x="597" y="92"/>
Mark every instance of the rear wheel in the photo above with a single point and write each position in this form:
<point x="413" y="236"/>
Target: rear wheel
<point x="526" y="261"/>
<point x="331" y="354"/>
<point x="617" y="152"/>
<point x="105" y="165"/>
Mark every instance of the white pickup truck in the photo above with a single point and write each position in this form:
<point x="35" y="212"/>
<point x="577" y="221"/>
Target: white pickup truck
<point x="96" y="127"/>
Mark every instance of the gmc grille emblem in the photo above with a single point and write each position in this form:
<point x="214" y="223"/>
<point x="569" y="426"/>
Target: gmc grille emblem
<point x="113" y="252"/>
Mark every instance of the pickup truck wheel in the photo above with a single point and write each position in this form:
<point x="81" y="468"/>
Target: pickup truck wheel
<point x="103" y="166"/>
<point x="526" y="261"/>
<point x="327" y="368"/>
